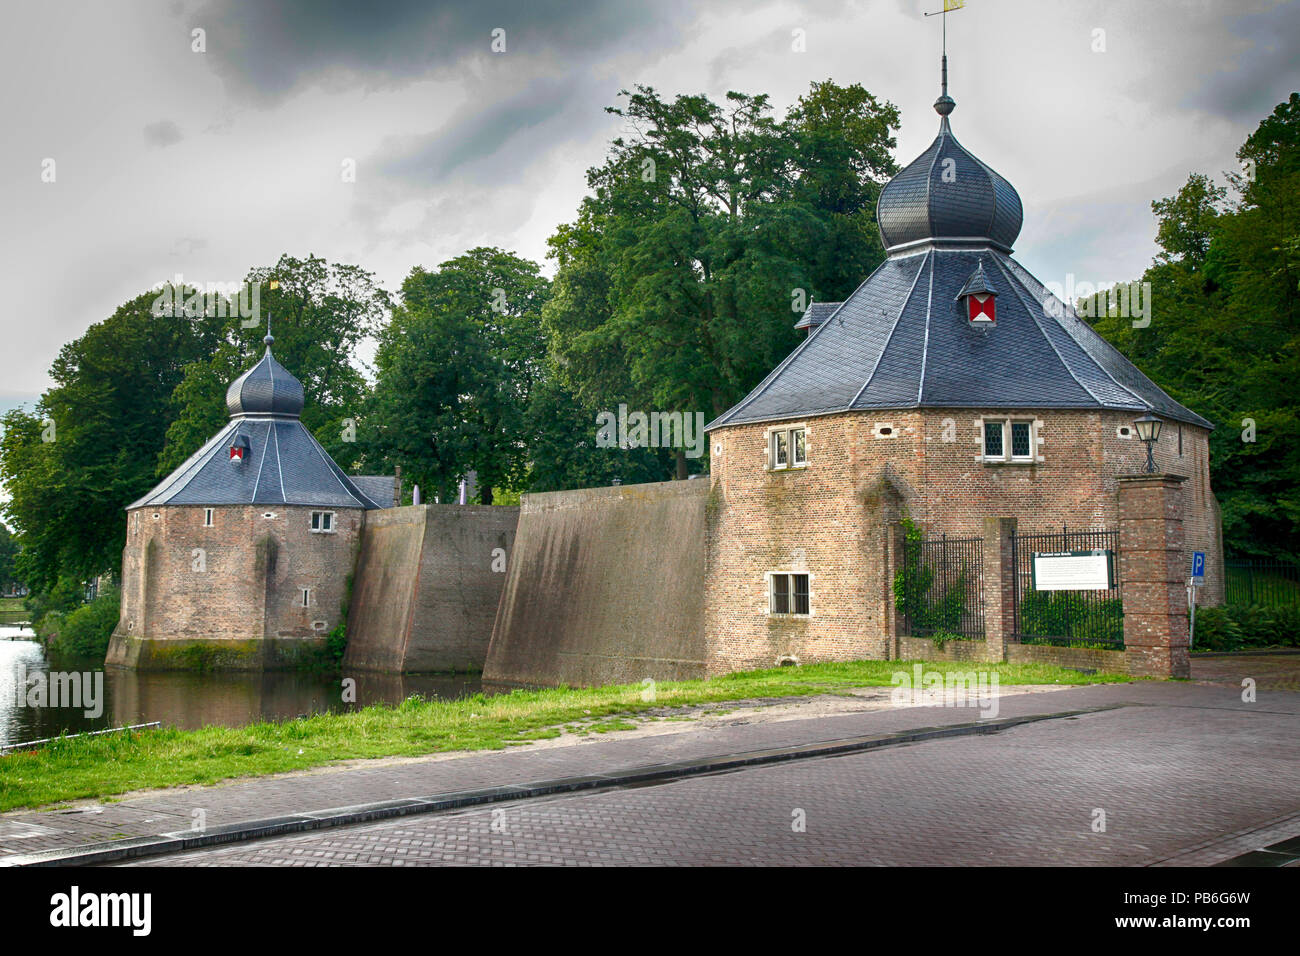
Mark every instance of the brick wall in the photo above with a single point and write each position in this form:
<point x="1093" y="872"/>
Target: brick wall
<point x="832" y="518"/>
<point x="240" y="580"/>
<point x="428" y="581"/>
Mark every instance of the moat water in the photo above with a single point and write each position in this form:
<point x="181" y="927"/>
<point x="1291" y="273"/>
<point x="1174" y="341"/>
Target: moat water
<point x="188" y="700"/>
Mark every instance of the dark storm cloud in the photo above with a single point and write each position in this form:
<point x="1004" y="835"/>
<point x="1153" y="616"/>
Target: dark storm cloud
<point x="162" y="133"/>
<point x="482" y="129"/>
<point x="1256" y="74"/>
<point x="266" y="51"/>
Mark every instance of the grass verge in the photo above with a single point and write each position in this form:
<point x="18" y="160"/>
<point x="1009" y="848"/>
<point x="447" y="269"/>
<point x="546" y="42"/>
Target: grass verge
<point x="77" y="768"/>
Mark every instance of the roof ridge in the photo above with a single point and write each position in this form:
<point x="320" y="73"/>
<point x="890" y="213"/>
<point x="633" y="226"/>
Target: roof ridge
<point x="894" y="328"/>
<point x="762" y="386"/>
<point x="1047" y="338"/>
<point x="333" y="468"/>
<point x="1105" y="371"/>
<point x="925" y="343"/>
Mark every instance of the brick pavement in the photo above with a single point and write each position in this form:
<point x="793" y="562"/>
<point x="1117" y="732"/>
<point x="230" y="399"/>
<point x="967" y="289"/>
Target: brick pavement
<point x="1180" y="783"/>
<point x="30" y="831"/>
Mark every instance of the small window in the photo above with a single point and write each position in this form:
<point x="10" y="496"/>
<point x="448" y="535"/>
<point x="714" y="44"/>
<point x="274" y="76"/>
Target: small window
<point x="790" y="594"/>
<point x="993" y="440"/>
<point x="306" y="597"/>
<point x="322" y="522"/>
<point x="1021" y="446"/>
<point x="789" y="448"/>
<point x="207" y="517"/>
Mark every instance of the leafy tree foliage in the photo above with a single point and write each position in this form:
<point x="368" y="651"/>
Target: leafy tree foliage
<point x="708" y="228"/>
<point x="91" y="445"/>
<point x="456" y="370"/>
<point x="1225" y="332"/>
<point x="319" y="313"/>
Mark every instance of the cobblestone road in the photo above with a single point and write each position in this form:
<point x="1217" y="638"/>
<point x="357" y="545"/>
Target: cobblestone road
<point x="1186" y="776"/>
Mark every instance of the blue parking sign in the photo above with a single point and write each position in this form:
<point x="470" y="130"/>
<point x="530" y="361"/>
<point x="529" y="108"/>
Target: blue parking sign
<point x="1198" y="568"/>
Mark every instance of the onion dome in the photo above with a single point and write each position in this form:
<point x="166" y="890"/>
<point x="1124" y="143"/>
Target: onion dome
<point x="268" y="388"/>
<point x="947" y="195"/>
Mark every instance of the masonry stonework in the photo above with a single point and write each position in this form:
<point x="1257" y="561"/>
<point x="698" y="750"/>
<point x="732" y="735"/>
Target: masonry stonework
<point x="235" y="587"/>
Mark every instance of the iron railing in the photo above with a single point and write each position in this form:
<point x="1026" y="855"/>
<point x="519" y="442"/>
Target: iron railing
<point x="1270" y="582"/>
<point x="1067" y="618"/>
<point x="940" y="590"/>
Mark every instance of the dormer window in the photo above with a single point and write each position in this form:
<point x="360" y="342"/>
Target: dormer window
<point x="239" y="450"/>
<point x="978" y="296"/>
<point x="787" y="448"/>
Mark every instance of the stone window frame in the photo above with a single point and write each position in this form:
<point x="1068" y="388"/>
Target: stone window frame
<point x="327" y="518"/>
<point x="769" y="579"/>
<point x="209" y="517"/>
<point x="769" y="446"/>
<point x="1007" y="458"/>
<point x="306" y="597"/>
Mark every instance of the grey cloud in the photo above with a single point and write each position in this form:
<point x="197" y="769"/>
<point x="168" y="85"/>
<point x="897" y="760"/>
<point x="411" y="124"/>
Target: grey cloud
<point x="482" y="130"/>
<point x="162" y="133"/>
<point x="266" y="51"/>
<point x="1260" y="75"/>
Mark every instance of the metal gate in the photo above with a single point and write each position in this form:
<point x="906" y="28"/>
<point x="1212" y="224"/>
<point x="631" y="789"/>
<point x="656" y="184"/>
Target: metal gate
<point x="940" y="587"/>
<point x="1067" y="618"/>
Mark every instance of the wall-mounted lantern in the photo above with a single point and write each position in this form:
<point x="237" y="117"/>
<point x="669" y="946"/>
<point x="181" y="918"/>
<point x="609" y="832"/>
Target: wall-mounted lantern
<point x="1148" y="429"/>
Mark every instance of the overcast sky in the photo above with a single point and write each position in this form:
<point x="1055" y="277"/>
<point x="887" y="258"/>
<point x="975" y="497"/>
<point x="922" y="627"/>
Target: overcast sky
<point x="204" y="164"/>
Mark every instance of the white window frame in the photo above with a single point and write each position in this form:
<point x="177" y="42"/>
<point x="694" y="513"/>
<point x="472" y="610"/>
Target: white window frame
<point x="208" y="517"/>
<point x="306" y="597"/>
<point x="1007" y="455"/>
<point x="788" y="432"/>
<point x="789" y="577"/>
<point x="321" y="518"/>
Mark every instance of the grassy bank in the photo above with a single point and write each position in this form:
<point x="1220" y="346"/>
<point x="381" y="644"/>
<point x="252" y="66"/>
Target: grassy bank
<point x="117" y="763"/>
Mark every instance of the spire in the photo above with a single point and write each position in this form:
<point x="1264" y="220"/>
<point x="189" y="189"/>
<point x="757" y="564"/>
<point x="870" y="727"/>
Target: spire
<point x="945" y="103"/>
<point x="268" y="338"/>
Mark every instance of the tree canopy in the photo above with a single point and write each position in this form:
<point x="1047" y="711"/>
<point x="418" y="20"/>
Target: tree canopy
<point x="1224" y="338"/>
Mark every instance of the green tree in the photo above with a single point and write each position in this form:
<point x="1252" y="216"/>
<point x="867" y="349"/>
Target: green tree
<point x="1225" y="332"/>
<point x="455" y="372"/>
<point x="90" y="446"/>
<point x="320" y="313"/>
<point x="707" y="227"/>
<point x="8" y="554"/>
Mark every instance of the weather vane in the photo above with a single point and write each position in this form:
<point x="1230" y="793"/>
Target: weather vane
<point x="947" y="6"/>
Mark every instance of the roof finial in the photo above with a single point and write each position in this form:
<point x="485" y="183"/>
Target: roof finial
<point x="268" y="338"/>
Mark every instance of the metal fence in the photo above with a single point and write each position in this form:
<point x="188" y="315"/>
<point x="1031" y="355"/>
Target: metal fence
<point x="1067" y="618"/>
<point x="1270" y="582"/>
<point x="940" y="587"/>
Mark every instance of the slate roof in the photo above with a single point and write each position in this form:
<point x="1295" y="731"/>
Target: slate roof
<point x="816" y="314"/>
<point x="285" y="464"/>
<point x="947" y="193"/>
<point x="902" y="340"/>
<point x="378" y="488"/>
<point x="267" y="388"/>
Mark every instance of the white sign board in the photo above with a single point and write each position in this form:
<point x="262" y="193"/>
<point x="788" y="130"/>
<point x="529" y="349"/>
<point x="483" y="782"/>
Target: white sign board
<point x="1072" y="571"/>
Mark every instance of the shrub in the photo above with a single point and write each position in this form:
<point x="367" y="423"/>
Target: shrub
<point x="85" y="631"/>
<point x="1069" y="614"/>
<point x="1239" y="626"/>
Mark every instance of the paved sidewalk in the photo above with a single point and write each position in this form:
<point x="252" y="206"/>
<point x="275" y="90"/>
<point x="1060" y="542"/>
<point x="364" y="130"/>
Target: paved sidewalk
<point x="26" y="832"/>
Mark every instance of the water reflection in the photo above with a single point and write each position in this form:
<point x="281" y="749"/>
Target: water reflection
<point x="190" y="700"/>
